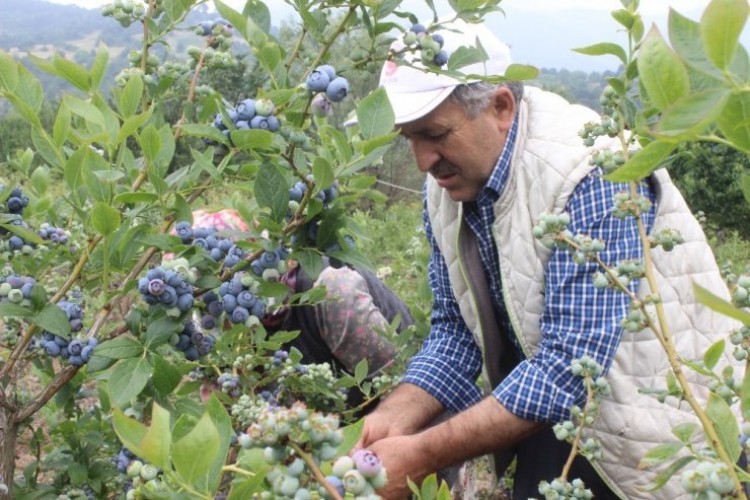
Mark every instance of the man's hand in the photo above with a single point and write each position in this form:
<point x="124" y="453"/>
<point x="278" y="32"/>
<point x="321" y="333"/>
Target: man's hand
<point x="402" y="458"/>
<point x="405" y="411"/>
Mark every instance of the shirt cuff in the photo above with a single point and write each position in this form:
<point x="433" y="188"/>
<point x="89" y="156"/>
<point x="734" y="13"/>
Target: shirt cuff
<point x="528" y="392"/>
<point x="443" y="381"/>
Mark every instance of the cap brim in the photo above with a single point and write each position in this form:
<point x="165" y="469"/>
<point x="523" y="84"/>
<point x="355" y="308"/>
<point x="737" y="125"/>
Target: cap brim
<point x="410" y="106"/>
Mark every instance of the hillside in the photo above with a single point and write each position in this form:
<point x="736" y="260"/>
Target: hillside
<point x="35" y="27"/>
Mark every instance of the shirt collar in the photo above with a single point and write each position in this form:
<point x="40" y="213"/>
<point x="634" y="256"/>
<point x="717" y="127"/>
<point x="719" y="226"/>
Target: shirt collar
<point x="491" y="191"/>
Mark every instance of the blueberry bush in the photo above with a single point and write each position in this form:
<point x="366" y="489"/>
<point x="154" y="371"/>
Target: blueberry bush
<point x="157" y="373"/>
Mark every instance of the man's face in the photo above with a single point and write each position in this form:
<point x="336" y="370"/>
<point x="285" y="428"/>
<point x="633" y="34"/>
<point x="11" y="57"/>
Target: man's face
<point x="458" y="151"/>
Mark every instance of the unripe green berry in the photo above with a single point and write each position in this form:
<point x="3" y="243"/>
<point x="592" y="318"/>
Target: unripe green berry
<point x="149" y="472"/>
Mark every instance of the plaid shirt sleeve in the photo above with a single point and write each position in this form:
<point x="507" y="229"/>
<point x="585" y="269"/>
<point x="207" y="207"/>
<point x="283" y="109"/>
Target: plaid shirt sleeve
<point x="449" y="362"/>
<point x="578" y="318"/>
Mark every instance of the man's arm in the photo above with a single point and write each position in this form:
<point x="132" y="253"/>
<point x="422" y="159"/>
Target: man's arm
<point x="405" y="411"/>
<point x="483" y="428"/>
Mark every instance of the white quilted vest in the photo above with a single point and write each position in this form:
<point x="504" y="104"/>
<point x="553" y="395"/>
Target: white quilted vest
<point x="548" y="163"/>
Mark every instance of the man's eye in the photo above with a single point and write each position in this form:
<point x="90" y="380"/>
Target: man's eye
<point x="436" y="136"/>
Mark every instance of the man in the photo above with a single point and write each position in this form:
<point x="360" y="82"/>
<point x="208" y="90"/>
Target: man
<point x="497" y="157"/>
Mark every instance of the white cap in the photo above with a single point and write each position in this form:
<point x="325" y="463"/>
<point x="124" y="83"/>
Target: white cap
<point x="414" y="92"/>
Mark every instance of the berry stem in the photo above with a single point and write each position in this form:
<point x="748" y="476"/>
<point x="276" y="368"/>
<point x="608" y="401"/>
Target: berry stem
<point x="315" y="470"/>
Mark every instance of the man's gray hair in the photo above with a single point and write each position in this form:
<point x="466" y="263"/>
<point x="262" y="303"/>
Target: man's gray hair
<point x="475" y="97"/>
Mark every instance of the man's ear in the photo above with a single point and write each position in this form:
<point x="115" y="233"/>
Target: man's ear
<point x="504" y="105"/>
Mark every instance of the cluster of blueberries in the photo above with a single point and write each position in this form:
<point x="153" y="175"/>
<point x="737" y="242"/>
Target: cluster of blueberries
<point x="192" y="342"/>
<point x="230" y="384"/>
<point x="205" y="237"/>
<point x="15" y="288"/>
<point x="16" y="201"/>
<point x="249" y="114"/>
<point x="324" y="79"/>
<point x="218" y="26"/>
<point x="430" y="45"/>
<point x="270" y="263"/>
<point x="77" y="351"/>
<point x="166" y="287"/>
<point x="239" y="302"/>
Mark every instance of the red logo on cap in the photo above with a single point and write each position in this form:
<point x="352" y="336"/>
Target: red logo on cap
<point x="390" y="68"/>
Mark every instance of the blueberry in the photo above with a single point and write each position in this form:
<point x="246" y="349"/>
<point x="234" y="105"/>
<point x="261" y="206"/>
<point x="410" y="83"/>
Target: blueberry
<point x="418" y="28"/>
<point x="438" y="38"/>
<point x="337" y="89"/>
<point x="259" y="122"/>
<point x="75" y="347"/>
<point x="246" y="299"/>
<point x="240" y="315"/>
<point x="317" y="81"/>
<point x="156" y="287"/>
<point x="15" y="242"/>
<point x="205" y="28"/>
<point x="246" y="109"/>
<point x="440" y="58"/>
<point x="185" y="302"/>
<point x="52" y="348"/>
<point x="321" y="106"/>
<point x="15" y="204"/>
<point x="269" y="260"/>
<point x="191" y="354"/>
<point x="327" y="69"/>
<point x="229" y="302"/>
<point x="208" y="322"/>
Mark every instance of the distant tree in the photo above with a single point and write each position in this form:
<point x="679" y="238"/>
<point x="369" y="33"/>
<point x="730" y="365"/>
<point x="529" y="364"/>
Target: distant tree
<point x="710" y="176"/>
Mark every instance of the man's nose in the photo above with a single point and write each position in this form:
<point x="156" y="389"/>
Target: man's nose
<point x="425" y="154"/>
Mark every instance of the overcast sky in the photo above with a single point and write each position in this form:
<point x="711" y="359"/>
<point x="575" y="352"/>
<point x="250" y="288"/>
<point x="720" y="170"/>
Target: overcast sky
<point x="540" y="32"/>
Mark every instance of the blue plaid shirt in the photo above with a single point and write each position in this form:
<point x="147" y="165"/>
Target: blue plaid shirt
<point x="578" y="318"/>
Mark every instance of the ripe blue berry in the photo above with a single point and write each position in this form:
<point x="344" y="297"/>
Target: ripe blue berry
<point x="317" y="81"/>
<point x="337" y="89"/>
<point x="246" y="109"/>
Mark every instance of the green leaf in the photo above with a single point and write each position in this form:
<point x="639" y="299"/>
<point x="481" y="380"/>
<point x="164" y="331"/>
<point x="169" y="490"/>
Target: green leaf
<point x="720" y="28"/>
<point x="734" y="120"/>
<point x="136" y="198"/>
<point x="685" y="431"/>
<point x="602" y="49"/>
<point x="61" y="127"/>
<point x="249" y="140"/>
<point x="119" y="348"/>
<point x="46" y="148"/>
<point x="662" y="72"/>
<point x="725" y="424"/>
<point x="271" y="191"/>
<point x="429" y="486"/>
<point x="235" y="18"/>
<point x="667" y="474"/>
<point x="643" y="162"/>
<point x="691" y="114"/>
<point x="465" y="56"/>
<point x="361" y="370"/>
<point x="322" y="172"/>
<point x="150" y="143"/>
<point x="129" y="97"/>
<point x="310" y="261"/>
<point x="624" y="17"/>
<point x="223" y="423"/>
<point x="685" y="38"/>
<point x="375" y="114"/>
<point x="352" y="433"/>
<point x="10" y="310"/>
<point x="713" y="354"/>
<point x="53" y="319"/>
<point x="720" y="305"/>
<point x="160" y="331"/>
<point x="150" y="443"/>
<point x="105" y="219"/>
<point x="72" y="72"/>
<point x="85" y="110"/>
<point x="518" y="72"/>
<point x="99" y="67"/>
<point x="195" y="454"/>
<point x="166" y="377"/>
<point x="128" y="379"/>
<point x="203" y="131"/>
<point x="8" y="72"/>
